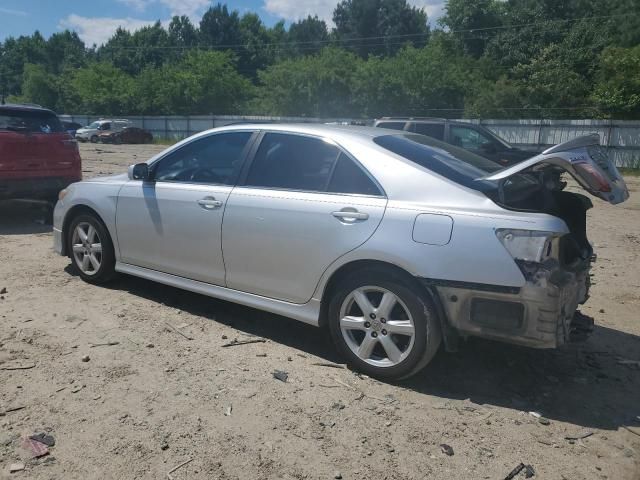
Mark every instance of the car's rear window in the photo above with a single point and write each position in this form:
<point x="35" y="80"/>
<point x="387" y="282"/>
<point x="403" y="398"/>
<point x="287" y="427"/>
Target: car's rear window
<point x="29" y="121"/>
<point x="454" y="163"/>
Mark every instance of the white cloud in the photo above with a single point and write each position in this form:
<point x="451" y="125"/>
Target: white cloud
<point x="297" y="9"/>
<point x="139" y="5"/>
<point x="99" y="29"/>
<point x="190" y="8"/>
<point x="10" y="11"/>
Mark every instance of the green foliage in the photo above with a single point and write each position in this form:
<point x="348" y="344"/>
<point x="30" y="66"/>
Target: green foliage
<point x="491" y="58"/>
<point x="618" y="81"/>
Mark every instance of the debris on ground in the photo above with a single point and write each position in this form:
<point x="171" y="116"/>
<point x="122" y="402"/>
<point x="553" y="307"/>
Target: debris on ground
<point x="578" y="436"/>
<point x="176" y="468"/>
<point x="446" y="449"/>
<point x="150" y="345"/>
<point x="514" y="472"/>
<point x="337" y="475"/>
<point x="630" y="363"/>
<point x="42" y="437"/>
<point x="529" y="471"/>
<point x="85" y="358"/>
<point x="227" y="411"/>
<point x="178" y="331"/>
<point x="327" y="364"/>
<point x="11" y="409"/>
<point x="544" y="421"/>
<point x="235" y="342"/>
<point x="35" y="448"/>
<point x="535" y="414"/>
<point x="24" y="366"/>
<point x="3" y="291"/>
<point x="16" y="467"/>
<point x="280" y="375"/>
<point x="634" y="430"/>
<point x="107" y="344"/>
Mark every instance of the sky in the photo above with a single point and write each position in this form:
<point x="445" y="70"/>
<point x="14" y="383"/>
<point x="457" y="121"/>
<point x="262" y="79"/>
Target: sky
<point x="96" y="20"/>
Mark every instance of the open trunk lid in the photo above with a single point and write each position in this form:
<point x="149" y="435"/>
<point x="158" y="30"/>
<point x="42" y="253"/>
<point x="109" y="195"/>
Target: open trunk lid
<point x="584" y="159"/>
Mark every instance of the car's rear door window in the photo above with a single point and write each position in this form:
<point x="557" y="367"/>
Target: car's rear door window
<point x="392" y="125"/>
<point x="215" y="159"/>
<point x="433" y="130"/>
<point x="348" y="177"/>
<point x="293" y="162"/>
<point x="29" y="121"/>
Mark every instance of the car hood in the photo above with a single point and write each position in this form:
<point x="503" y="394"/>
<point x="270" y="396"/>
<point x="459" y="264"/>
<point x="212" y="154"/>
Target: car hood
<point x="118" y="178"/>
<point x="584" y="159"/>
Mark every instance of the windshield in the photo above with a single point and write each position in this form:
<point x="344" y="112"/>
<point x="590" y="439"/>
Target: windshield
<point x="31" y="121"/>
<point x="93" y="126"/>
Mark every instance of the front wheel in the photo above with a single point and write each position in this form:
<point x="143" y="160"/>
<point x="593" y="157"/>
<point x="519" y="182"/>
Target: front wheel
<point x="94" y="139"/>
<point x="382" y="326"/>
<point x="91" y="249"/>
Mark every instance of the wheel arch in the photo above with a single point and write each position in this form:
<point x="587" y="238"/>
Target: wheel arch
<point x="73" y="213"/>
<point x="449" y="334"/>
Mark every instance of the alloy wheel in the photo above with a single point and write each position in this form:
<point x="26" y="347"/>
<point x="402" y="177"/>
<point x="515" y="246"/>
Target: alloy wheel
<point x="87" y="248"/>
<point x="377" y="326"/>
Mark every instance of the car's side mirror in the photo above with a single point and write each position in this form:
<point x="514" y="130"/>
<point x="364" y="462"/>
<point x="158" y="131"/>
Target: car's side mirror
<point x="139" y="171"/>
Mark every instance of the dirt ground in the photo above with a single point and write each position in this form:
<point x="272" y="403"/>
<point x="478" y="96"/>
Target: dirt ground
<point x="156" y="399"/>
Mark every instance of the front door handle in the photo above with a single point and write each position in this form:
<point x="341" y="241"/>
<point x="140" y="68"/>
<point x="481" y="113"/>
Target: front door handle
<point x="209" y="203"/>
<point x="350" y="215"/>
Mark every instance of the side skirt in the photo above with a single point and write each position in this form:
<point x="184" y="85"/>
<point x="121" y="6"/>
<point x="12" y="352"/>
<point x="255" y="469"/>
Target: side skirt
<point x="308" y="312"/>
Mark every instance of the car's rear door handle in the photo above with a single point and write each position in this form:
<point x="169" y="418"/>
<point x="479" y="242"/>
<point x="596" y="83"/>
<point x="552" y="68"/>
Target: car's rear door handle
<point x="209" y="203"/>
<point x="350" y="215"/>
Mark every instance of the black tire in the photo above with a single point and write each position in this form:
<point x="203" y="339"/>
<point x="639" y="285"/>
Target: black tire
<point x="106" y="272"/>
<point x="94" y="139"/>
<point x="425" y="319"/>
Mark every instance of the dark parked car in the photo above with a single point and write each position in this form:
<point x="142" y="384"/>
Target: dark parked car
<point x="127" y="135"/>
<point x="474" y="138"/>
<point x="38" y="158"/>
<point x="71" y="127"/>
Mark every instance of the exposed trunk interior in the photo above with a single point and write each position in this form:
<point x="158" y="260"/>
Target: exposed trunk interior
<point x="544" y="192"/>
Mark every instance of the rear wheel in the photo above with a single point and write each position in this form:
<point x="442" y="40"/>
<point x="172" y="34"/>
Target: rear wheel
<point x="383" y="326"/>
<point x="91" y="249"/>
<point x="94" y="139"/>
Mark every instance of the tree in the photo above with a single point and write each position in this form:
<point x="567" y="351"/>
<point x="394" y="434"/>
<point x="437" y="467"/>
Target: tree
<point x="64" y="49"/>
<point x="219" y="27"/>
<point x="182" y="33"/>
<point x="308" y="36"/>
<point x="203" y="82"/>
<point x="39" y="87"/>
<point x="379" y="26"/>
<point x="617" y="90"/>
<point x="103" y="89"/>
<point x="472" y="23"/>
<point x="317" y="85"/>
<point x="255" y="53"/>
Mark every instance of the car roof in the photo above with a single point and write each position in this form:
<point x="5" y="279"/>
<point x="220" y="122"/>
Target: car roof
<point x="424" y="120"/>
<point x="318" y="129"/>
<point x="25" y="107"/>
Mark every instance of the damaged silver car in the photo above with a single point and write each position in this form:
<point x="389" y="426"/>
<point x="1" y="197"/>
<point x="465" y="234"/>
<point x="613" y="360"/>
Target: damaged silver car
<point x="395" y="242"/>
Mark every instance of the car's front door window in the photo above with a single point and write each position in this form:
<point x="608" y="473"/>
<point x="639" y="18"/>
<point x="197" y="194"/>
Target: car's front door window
<point x="215" y="159"/>
<point x="469" y="138"/>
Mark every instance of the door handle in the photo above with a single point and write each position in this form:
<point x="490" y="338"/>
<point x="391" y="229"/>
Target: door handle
<point x="350" y="215"/>
<point x="209" y="203"/>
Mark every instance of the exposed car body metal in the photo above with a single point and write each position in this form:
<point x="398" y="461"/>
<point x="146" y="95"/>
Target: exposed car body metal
<point x="278" y="250"/>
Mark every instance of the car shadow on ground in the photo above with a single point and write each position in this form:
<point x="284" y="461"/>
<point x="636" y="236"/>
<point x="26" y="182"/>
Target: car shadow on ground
<point x="21" y="217"/>
<point x="583" y="384"/>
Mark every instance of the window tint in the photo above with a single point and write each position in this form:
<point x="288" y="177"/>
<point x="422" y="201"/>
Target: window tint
<point x="350" y="178"/>
<point x="33" y="121"/>
<point x="292" y="162"/>
<point x="212" y="159"/>
<point x="434" y="130"/>
<point x="468" y="138"/>
<point x="105" y="126"/>
<point x="392" y="125"/>
<point x="458" y="165"/>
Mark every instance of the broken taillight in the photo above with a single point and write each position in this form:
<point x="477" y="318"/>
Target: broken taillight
<point x="593" y="176"/>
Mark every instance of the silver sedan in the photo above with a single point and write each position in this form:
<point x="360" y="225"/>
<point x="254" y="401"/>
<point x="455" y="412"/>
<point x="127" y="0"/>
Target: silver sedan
<point x="395" y="242"/>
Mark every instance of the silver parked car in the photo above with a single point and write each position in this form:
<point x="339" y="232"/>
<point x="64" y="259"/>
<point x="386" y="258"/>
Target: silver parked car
<point x="394" y="241"/>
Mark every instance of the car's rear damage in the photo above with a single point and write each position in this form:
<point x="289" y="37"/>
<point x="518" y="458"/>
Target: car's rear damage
<point x="543" y="312"/>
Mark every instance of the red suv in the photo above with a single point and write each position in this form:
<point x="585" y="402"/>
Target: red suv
<point x="38" y="158"/>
